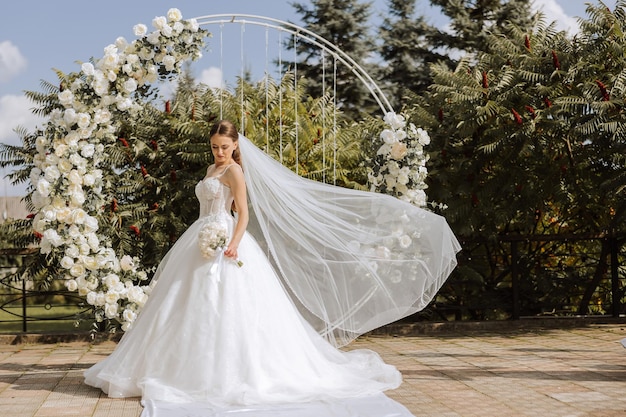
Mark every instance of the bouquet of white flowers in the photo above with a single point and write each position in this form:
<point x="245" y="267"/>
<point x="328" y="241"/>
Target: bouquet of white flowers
<point x="212" y="238"/>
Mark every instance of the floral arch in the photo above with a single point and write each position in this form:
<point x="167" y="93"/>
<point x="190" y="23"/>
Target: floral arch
<point x="70" y="190"/>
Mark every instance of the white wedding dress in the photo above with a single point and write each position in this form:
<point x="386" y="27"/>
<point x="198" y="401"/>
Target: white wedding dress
<point x="216" y="339"/>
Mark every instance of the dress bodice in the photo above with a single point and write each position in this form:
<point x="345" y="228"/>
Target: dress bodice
<point x="215" y="198"/>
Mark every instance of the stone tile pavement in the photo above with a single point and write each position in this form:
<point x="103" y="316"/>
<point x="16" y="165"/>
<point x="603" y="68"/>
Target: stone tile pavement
<point x="573" y="371"/>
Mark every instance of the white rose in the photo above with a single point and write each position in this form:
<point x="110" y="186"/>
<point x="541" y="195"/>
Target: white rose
<point x="101" y="87"/>
<point x="71" y="285"/>
<point x="77" y="270"/>
<point x="66" y="97"/>
<point x="78" y="216"/>
<point x="123" y="103"/>
<point x="77" y="160"/>
<point x="83" y="120"/>
<point x="136" y="295"/>
<point x="52" y="173"/>
<point x="127" y="263"/>
<point x="110" y="310"/>
<point x="53" y="237"/>
<point x="87" y="150"/>
<point x="159" y="22"/>
<point x="388" y="136"/>
<point x="178" y="27"/>
<point x="396" y="121"/>
<point x="89" y="180"/>
<point x="45" y="247"/>
<point x="67" y="262"/>
<point x="142" y="275"/>
<point x="92" y="284"/>
<point x="83" y="291"/>
<point x="102" y="116"/>
<point x="84" y="249"/>
<point x="43" y="187"/>
<point x="174" y="15"/>
<point x="121" y="43"/>
<point x="90" y="263"/>
<point x="111" y="297"/>
<point x="169" y="62"/>
<point x="49" y="213"/>
<point x="60" y="150"/>
<point x="423" y="137"/>
<point x="140" y="29"/>
<point x="63" y="213"/>
<point x="77" y="198"/>
<point x="129" y="85"/>
<point x="110" y="58"/>
<point x="40" y="144"/>
<point x="100" y="299"/>
<point x="93" y="241"/>
<point x="72" y="251"/>
<point x="111" y="280"/>
<point x="129" y="315"/>
<point x="153" y="38"/>
<point x="74" y="232"/>
<point x="70" y="117"/>
<point x="90" y="224"/>
<point x="64" y="165"/>
<point x="193" y="25"/>
<point x="88" y="68"/>
<point x="91" y="298"/>
<point x="167" y="31"/>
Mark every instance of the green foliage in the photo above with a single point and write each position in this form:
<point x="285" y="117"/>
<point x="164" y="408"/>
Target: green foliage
<point x="344" y="23"/>
<point x="525" y="142"/>
<point x="406" y="51"/>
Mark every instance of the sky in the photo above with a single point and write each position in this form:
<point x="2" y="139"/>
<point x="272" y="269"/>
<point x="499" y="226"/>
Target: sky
<point x="37" y="37"/>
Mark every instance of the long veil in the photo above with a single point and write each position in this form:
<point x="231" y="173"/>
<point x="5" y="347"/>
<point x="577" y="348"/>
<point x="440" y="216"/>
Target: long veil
<point x="351" y="260"/>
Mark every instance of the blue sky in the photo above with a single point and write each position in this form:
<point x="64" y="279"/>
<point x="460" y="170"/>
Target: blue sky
<point x="37" y="36"/>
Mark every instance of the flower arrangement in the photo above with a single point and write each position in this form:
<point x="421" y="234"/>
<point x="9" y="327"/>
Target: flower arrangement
<point x="212" y="238"/>
<point x="69" y="187"/>
<point x="400" y="164"/>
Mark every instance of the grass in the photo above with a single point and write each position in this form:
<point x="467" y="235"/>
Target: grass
<point x="45" y="318"/>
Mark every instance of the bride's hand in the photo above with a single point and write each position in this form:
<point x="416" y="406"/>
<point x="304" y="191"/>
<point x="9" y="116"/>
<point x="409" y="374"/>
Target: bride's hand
<point x="231" y="251"/>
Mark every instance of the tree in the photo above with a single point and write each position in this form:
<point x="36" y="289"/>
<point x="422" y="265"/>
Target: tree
<point x="528" y="139"/>
<point x="345" y="24"/>
<point x="472" y="22"/>
<point x="406" y="51"/>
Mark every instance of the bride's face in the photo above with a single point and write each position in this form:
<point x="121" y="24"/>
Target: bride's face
<point x="222" y="148"/>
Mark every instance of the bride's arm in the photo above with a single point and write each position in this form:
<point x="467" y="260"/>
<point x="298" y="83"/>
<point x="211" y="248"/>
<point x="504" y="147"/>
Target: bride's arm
<point x="236" y="181"/>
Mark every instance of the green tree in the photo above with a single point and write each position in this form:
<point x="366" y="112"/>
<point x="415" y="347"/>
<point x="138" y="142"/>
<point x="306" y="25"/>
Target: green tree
<point x="345" y="23"/>
<point x="472" y="22"/>
<point x="528" y="140"/>
<point x="406" y="51"/>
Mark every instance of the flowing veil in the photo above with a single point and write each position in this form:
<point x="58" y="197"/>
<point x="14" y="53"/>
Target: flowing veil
<point x="351" y="260"/>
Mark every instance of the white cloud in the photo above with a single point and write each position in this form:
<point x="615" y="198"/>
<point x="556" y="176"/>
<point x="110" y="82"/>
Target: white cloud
<point x="212" y="77"/>
<point x="11" y="61"/>
<point x="14" y="112"/>
<point x="553" y="12"/>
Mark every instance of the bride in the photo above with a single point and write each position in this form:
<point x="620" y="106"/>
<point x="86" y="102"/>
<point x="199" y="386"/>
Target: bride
<point x="236" y="322"/>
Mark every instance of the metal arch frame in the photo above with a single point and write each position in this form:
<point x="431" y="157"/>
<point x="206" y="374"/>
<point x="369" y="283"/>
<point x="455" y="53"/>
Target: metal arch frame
<point x="310" y="37"/>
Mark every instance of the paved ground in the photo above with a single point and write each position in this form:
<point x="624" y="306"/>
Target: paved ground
<point x="512" y="372"/>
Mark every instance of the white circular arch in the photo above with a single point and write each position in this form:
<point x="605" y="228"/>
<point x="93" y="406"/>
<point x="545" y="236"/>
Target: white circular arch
<point x="311" y="37"/>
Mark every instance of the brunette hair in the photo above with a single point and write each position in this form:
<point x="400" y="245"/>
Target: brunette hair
<point x="227" y="128"/>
